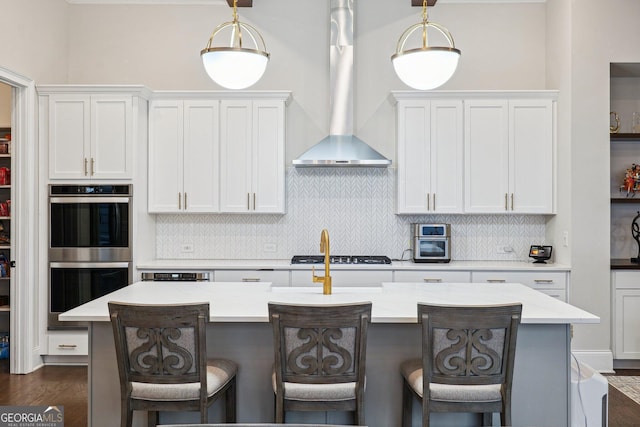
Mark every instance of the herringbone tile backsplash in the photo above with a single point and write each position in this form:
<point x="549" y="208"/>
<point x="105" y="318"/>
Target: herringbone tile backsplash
<point x="357" y="206"/>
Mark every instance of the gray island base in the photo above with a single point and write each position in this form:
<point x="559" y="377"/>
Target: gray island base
<point x="239" y="330"/>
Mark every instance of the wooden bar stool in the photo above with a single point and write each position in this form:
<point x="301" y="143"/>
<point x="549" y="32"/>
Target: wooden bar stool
<point x="162" y="361"/>
<point x="467" y="362"/>
<point x="320" y="353"/>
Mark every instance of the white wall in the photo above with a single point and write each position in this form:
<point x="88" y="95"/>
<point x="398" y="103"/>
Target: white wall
<point x="34" y="42"/>
<point x="503" y="47"/>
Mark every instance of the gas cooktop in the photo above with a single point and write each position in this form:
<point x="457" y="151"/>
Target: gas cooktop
<point x="341" y="259"/>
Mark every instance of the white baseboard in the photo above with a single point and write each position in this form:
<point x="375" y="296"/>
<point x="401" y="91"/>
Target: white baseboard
<point x="66" y="360"/>
<point x="599" y="360"/>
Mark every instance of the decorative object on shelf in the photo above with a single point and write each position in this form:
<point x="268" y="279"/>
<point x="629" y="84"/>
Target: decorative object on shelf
<point x="631" y="180"/>
<point x="425" y="67"/>
<point x="635" y="232"/>
<point x="233" y="66"/>
<point x="635" y="127"/>
<point x="614" y="128"/>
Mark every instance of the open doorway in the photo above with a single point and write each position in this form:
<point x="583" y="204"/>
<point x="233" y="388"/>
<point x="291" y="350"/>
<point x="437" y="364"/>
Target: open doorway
<point x="6" y="103"/>
<point x="24" y="327"/>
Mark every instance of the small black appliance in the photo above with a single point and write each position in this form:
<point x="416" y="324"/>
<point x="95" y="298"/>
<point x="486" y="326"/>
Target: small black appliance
<point x="540" y="253"/>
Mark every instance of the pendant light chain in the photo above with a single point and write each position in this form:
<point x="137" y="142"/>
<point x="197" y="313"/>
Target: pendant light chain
<point x="237" y="32"/>
<point x="425" y="41"/>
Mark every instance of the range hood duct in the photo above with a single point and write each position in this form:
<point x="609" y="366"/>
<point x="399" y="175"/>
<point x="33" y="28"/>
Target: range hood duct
<point x="341" y="147"/>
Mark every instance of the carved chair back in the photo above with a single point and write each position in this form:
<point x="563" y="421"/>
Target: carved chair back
<point x="319" y="344"/>
<point x="164" y="344"/>
<point x="470" y="345"/>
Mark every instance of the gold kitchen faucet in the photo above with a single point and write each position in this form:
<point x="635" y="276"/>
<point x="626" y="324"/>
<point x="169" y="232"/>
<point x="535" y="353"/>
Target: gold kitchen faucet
<point x="326" y="279"/>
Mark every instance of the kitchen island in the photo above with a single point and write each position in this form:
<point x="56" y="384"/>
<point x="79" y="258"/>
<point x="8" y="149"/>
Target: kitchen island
<point x="239" y="330"/>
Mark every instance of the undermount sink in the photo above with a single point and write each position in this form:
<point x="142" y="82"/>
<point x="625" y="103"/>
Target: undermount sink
<point x="334" y="290"/>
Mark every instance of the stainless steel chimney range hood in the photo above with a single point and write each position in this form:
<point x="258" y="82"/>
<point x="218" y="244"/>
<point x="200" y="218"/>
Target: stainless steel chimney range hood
<point x="341" y="147"/>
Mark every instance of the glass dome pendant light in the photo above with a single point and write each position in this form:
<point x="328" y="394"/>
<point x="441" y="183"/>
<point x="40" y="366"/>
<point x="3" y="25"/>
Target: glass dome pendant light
<point x="234" y="66"/>
<point x="425" y="67"/>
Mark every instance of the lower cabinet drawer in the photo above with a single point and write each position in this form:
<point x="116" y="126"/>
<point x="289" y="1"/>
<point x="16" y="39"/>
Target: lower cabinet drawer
<point x="542" y="280"/>
<point x="434" y="276"/>
<point x="68" y="343"/>
<point x="277" y="277"/>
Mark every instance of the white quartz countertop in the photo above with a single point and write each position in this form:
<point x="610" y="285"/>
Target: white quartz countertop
<point x="392" y="302"/>
<point x="280" y="264"/>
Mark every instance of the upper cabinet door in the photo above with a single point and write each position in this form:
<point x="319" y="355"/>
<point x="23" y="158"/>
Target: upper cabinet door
<point x="166" y="139"/>
<point x="531" y="156"/>
<point x="447" y="148"/>
<point x="201" y="165"/>
<point x="414" y="156"/>
<point x="111" y="139"/>
<point x="486" y="131"/>
<point x="235" y="156"/>
<point x="268" y="156"/>
<point x="90" y="136"/>
<point x="69" y="131"/>
<point x="430" y="147"/>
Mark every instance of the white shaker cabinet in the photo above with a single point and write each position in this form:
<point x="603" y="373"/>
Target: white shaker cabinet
<point x="90" y="136"/>
<point x="509" y="147"/>
<point x="184" y="156"/>
<point x="252" y="160"/>
<point x="430" y="156"/>
<point x="626" y="314"/>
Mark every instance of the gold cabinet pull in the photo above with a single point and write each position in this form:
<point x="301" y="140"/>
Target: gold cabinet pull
<point x="85" y="166"/>
<point x="93" y="165"/>
<point x="511" y="201"/>
<point x="185" y="200"/>
<point x="428" y="201"/>
<point x="67" y="346"/>
<point x="254" y="201"/>
<point x="434" y="201"/>
<point x="506" y="202"/>
<point x="248" y="201"/>
<point x="250" y="279"/>
<point x="496" y="281"/>
<point x="428" y="280"/>
<point x="179" y="201"/>
<point x="543" y="281"/>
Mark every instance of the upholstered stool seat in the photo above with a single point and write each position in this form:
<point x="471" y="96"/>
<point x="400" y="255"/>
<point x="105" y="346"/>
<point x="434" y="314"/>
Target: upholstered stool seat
<point x="412" y="372"/>
<point x="313" y="392"/>
<point x="219" y="373"/>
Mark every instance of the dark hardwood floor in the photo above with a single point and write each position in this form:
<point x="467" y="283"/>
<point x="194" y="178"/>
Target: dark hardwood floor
<point x="48" y="386"/>
<point x="623" y="412"/>
<point x="67" y="386"/>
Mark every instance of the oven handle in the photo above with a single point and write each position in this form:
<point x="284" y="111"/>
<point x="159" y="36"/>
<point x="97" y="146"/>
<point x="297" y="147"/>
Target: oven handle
<point x="89" y="264"/>
<point x="89" y="199"/>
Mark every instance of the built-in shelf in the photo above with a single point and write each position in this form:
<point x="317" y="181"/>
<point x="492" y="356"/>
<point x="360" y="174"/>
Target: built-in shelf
<point x="630" y="200"/>
<point x="625" y="137"/>
<point x="5" y="308"/>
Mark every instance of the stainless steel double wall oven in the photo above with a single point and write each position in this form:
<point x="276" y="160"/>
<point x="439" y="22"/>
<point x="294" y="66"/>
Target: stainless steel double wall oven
<point x="90" y="229"/>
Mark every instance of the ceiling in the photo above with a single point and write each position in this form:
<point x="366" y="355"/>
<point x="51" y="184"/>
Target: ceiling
<point x="249" y="3"/>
